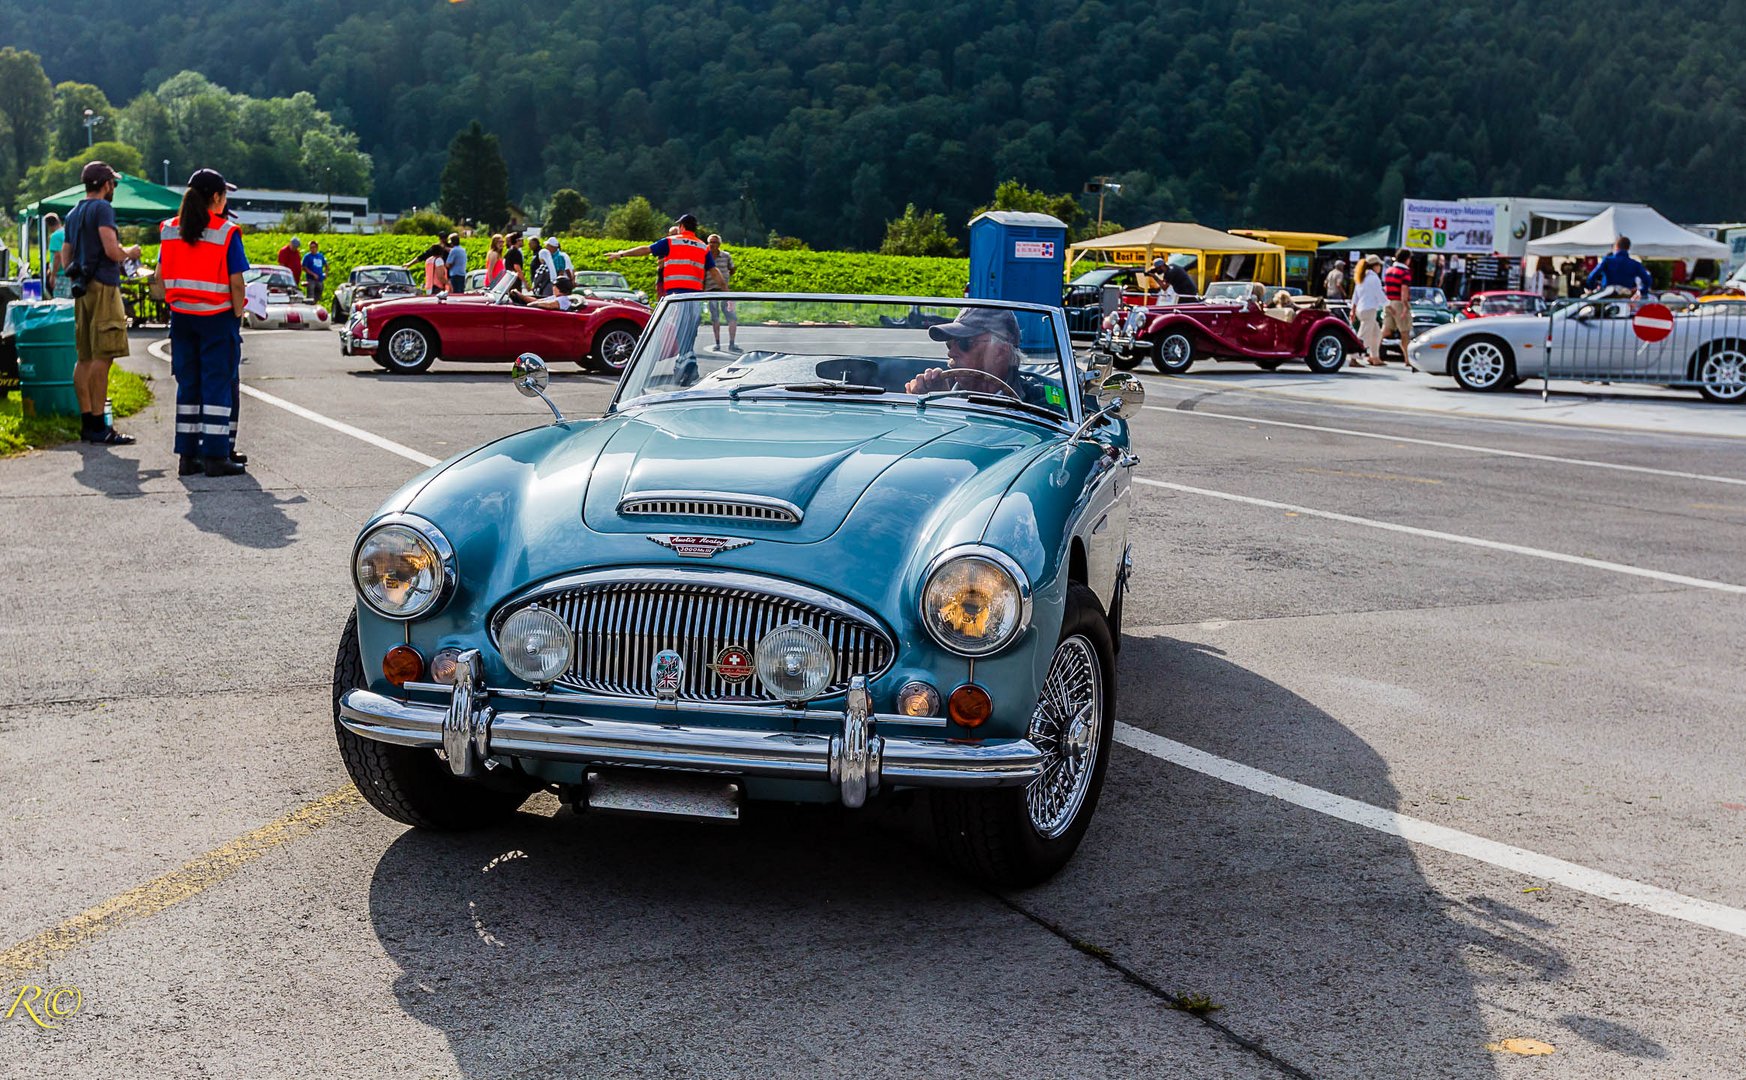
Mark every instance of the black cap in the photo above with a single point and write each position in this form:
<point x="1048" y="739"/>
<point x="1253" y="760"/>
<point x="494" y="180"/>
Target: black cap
<point x="209" y="182"/>
<point x="96" y="174"/>
<point x="976" y="321"/>
<point x="686" y="221"/>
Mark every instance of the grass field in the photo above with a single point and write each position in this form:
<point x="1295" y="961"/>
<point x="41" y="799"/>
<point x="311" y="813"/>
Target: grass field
<point x="129" y="393"/>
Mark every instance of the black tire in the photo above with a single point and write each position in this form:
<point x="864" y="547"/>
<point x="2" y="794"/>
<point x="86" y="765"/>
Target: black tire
<point x="408" y="347"/>
<point x="1268" y="365"/>
<point x="612" y="347"/>
<point x="1327" y="353"/>
<point x="412" y="786"/>
<point x="990" y="835"/>
<point x="1173" y="353"/>
<point x="1483" y="364"/>
<point x="1128" y="362"/>
<point x="1719" y="369"/>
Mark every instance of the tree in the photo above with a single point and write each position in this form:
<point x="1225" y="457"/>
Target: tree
<point x="145" y="122"/>
<point x="422" y="223"/>
<point x="1012" y="195"/>
<point x="475" y="182"/>
<point x="25" y="100"/>
<point x="564" y="210"/>
<point x="305" y="219"/>
<point x="635" y="219"/>
<point x="918" y="234"/>
<point x="58" y="174"/>
<point x="67" y="130"/>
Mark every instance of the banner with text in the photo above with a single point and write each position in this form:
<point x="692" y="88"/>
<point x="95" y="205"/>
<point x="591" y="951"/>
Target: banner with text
<point x="1448" y="227"/>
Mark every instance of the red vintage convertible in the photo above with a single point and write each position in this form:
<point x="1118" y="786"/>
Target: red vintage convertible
<point x="1242" y="322"/>
<point x="406" y="334"/>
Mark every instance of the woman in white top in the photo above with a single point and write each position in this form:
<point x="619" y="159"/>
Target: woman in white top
<point x="1367" y="302"/>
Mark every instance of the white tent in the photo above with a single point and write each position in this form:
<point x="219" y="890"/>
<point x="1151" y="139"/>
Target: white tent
<point x="1652" y="237"/>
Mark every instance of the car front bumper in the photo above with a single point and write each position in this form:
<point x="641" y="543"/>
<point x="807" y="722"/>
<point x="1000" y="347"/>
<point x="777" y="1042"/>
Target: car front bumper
<point x="856" y="759"/>
<point x="356" y="346"/>
<point x="1121" y="345"/>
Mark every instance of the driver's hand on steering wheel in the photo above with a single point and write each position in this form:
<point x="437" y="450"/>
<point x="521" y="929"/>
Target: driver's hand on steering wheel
<point x="928" y="381"/>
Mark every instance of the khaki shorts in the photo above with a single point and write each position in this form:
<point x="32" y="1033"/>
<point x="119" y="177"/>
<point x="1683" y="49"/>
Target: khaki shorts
<point x="100" y="323"/>
<point x="1397" y="319"/>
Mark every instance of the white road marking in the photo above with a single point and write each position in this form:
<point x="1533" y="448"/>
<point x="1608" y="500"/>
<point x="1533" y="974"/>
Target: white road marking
<point x="1456" y="538"/>
<point x="1469" y="447"/>
<point x="161" y="350"/>
<point x="1418" y="831"/>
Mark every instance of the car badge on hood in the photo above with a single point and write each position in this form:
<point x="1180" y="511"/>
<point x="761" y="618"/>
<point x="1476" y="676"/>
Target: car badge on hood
<point x="698" y="547"/>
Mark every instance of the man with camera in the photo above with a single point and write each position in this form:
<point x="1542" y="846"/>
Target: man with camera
<point x="91" y="259"/>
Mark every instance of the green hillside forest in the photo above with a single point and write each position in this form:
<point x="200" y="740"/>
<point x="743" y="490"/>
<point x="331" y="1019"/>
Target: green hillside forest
<point x="823" y="120"/>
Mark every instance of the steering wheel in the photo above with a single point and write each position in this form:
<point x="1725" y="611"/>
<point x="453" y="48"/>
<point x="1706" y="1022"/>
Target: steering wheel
<point x="979" y="373"/>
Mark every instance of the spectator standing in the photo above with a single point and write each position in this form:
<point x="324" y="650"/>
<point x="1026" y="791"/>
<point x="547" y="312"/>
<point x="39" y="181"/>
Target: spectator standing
<point x="1368" y="300"/>
<point x="1535" y="282"/>
<point x="58" y="285"/>
<point x="1620" y="270"/>
<point x="722" y="282"/>
<point x="1397" y="313"/>
<point x="1454" y="283"/>
<point x="1334" y="285"/>
<point x="494" y="260"/>
<point x="291" y="258"/>
<point x="545" y="272"/>
<point x="457" y="264"/>
<point x="200" y="265"/>
<point x="1437" y="270"/>
<point x="565" y="268"/>
<point x="315" y="270"/>
<point x="91" y="255"/>
<point x="436" y="269"/>
<point x="513" y="259"/>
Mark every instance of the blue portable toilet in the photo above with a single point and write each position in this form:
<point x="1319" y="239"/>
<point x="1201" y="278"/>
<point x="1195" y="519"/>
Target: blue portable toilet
<point x="1016" y="255"/>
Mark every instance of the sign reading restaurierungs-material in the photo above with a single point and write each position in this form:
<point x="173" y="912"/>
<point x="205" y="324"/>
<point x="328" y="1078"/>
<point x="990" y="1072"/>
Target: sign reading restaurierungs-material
<point x="1449" y="227"/>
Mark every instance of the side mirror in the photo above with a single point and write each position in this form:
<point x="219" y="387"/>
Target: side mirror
<point x="1129" y="394"/>
<point x="1097" y="371"/>
<point x="531" y="379"/>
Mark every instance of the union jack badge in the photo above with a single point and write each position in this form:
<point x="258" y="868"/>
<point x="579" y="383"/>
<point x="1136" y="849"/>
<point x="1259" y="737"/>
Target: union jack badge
<point x="668" y="672"/>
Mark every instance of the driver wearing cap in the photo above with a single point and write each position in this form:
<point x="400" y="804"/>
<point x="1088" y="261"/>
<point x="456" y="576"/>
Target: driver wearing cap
<point x="982" y="354"/>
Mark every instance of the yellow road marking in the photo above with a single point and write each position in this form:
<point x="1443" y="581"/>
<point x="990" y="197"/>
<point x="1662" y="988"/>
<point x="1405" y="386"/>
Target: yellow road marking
<point x="1371" y="475"/>
<point x="185" y="883"/>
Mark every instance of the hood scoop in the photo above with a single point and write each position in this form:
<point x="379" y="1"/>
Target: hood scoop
<point x="710" y="505"/>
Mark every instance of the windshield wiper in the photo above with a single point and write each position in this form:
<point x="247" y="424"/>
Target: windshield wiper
<point x="812" y="388"/>
<point x="982" y="397"/>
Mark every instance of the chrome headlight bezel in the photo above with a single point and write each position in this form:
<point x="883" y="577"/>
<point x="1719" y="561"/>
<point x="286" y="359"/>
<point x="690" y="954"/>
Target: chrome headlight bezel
<point x="432" y="538"/>
<point x="992" y="557"/>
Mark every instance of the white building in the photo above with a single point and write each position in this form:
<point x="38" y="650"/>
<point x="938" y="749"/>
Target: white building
<point x="263" y="209"/>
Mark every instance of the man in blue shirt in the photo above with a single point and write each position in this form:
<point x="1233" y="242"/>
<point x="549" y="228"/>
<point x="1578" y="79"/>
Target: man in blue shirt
<point x="1621" y="271"/>
<point x="455" y="263"/>
<point x="314" y="270"/>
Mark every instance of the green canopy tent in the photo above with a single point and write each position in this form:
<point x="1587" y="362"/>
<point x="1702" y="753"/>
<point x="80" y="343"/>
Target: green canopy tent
<point x="137" y="202"/>
<point x="1381" y="238"/>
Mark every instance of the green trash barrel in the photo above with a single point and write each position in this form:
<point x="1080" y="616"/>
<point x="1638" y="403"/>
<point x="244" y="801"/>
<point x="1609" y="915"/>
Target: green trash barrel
<point x="46" y="355"/>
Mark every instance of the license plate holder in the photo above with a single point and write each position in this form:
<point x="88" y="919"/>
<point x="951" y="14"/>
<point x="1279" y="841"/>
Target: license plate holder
<point x="652" y="793"/>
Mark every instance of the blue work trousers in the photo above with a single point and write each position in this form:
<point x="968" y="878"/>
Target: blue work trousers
<point x="205" y="354"/>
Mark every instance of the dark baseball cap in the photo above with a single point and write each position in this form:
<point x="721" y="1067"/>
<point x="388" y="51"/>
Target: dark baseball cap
<point x="209" y="182"/>
<point x="686" y="221"/>
<point x="976" y="321"/>
<point x="96" y="174"/>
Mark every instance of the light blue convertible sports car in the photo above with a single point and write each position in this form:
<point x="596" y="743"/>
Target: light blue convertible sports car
<point x="881" y="547"/>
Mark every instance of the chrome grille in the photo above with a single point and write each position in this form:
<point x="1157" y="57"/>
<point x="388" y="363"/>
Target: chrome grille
<point x="620" y="626"/>
<point x="708" y="505"/>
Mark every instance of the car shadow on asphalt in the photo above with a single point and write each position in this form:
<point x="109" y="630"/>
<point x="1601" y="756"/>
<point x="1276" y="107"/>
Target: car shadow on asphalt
<point x="494" y="373"/>
<point x="240" y="510"/>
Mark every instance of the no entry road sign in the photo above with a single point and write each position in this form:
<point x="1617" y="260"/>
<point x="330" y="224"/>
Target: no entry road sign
<point x="1653" y="322"/>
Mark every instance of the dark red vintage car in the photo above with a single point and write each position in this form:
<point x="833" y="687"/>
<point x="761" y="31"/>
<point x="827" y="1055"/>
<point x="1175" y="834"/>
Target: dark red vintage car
<point x="1238" y="327"/>
<point x="406" y="334"/>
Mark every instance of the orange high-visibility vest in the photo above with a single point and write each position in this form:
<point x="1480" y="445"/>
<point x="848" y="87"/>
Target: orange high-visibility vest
<point x="196" y="276"/>
<point x="683" y="269"/>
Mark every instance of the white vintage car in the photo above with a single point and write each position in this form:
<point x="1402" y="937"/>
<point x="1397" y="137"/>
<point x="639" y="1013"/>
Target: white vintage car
<point x="276" y="303"/>
<point x="1607" y="339"/>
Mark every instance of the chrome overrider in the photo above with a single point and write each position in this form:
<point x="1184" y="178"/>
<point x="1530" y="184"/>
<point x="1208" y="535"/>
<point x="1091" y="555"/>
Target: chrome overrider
<point x="857" y="760"/>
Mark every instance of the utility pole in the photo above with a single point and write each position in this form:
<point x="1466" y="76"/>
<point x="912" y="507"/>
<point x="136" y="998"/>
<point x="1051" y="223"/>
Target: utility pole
<point x="91" y="121"/>
<point x="1101" y="187"/>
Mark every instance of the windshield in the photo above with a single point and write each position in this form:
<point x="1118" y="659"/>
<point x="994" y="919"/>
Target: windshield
<point x="1434" y="297"/>
<point x="277" y="278"/>
<point x="1236" y="290"/>
<point x="600" y="279"/>
<point x="384" y="275"/>
<point x="917" y="352"/>
<point x="1512" y="304"/>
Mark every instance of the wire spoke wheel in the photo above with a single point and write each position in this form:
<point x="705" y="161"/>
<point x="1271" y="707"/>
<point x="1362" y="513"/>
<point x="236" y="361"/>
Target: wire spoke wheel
<point x="1481" y="365"/>
<point x="406" y="346"/>
<point x="616" y="347"/>
<point x="1329" y="350"/>
<point x="1723" y="374"/>
<point x="1067" y="727"/>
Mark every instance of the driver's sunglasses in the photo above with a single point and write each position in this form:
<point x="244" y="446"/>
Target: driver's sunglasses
<point x="962" y="345"/>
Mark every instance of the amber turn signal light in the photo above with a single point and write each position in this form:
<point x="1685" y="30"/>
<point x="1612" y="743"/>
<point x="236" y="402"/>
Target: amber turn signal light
<point x="402" y="665"/>
<point x="970" y="706"/>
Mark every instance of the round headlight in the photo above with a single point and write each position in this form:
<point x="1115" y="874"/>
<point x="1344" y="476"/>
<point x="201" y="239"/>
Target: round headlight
<point x="535" y="644"/>
<point x="403" y="570"/>
<point x="975" y="604"/>
<point x="795" y="662"/>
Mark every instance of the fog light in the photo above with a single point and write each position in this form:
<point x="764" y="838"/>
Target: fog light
<point x="918" y="699"/>
<point x="442" y="665"/>
<point x="402" y="665"/>
<point x="970" y="706"/>
<point x="536" y="645"/>
<point x="795" y="662"/>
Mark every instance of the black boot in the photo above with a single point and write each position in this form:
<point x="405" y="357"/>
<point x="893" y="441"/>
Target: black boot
<point x="240" y="459"/>
<point x="188" y="465"/>
<point x="217" y="466"/>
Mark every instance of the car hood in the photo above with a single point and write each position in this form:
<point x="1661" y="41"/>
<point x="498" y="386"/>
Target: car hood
<point x="392" y="304"/>
<point x="880" y="489"/>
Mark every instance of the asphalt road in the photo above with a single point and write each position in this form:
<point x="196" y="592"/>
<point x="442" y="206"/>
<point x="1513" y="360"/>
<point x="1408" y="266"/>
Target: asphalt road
<point x="1498" y="698"/>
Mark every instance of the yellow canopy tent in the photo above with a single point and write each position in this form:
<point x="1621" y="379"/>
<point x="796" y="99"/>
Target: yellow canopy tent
<point x="1209" y="251"/>
<point x="1300" y="250"/>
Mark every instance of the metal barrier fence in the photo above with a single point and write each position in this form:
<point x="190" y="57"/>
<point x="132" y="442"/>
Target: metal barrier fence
<point x="1669" y="342"/>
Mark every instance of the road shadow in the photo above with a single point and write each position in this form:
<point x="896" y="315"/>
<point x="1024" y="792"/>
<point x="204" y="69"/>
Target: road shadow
<point x="240" y="510"/>
<point x="115" y="475"/>
<point x="791" y="945"/>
